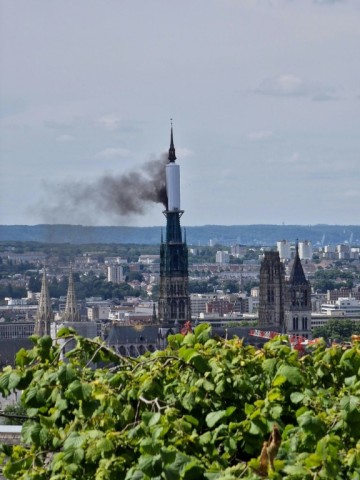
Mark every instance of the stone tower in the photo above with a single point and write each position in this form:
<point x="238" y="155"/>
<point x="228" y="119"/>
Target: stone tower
<point x="271" y="291"/>
<point x="71" y="313"/>
<point x="44" y="314"/>
<point x="174" y="300"/>
<point x="298" y="300"/>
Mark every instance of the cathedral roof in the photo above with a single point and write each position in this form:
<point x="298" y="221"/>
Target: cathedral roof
<point x="297" y="275"/>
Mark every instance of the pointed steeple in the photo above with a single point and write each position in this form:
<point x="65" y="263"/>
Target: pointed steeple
<point x="154" y="318"/>
<point x="297" y="275"/>
<point x="44" y="313"/>
<point x="71" y="313"/>
<point x="172" y="156"/>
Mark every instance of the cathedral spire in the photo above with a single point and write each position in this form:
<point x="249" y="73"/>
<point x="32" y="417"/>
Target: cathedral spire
<point x="172" y="156"/>
<point x="44" y="314"/>
<point x="71" y="313"/>
<point x="297" y="275"/>
<point x="154" y="318"/>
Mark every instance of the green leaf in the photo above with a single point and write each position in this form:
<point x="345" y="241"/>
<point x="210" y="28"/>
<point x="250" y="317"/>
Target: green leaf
<point x="78" y="390"/>
<point x="14" y="380"/>
<point x="296" y="471"/>
<point x="297" y="397"/>
<point x="151" y="418"/>
<point x="291" y="374"/>
<point x="350" y="403"/>
<point x="65" y="332"/>
<point x="214" y="417"/>
<point x="22" y="358"/>
<point x="31" y="433"/>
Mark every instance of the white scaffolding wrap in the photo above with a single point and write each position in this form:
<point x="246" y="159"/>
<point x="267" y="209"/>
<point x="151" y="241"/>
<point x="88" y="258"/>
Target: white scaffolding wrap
<point x="173" y="186"/>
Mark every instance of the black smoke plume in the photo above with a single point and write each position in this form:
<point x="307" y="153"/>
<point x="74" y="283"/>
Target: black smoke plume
<point x="121" y="195"/>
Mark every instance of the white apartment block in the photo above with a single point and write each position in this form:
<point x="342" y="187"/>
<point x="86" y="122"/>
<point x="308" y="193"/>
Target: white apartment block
<point x="305" y="250"/>
<point x="222" y="257"/>
<point x="115" y="273"/>
<point x="342" y="307"/>
<point x="283" y="247"/>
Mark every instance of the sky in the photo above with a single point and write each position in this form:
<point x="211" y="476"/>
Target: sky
<point x="264" y="96"/>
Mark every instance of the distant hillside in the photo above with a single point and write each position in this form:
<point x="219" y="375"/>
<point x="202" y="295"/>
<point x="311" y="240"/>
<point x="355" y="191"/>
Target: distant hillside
<point x="224" y="235"/>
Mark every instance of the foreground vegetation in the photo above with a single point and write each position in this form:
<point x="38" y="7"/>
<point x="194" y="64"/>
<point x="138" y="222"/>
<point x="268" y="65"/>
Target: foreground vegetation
<point x="204" y="408"/>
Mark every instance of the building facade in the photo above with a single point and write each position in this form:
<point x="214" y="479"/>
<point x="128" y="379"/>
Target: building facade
<point x="297" y="305"/>
<point x="271" y="291"/>
<point x="284" y="249"/>
<point x="115" y="274"/>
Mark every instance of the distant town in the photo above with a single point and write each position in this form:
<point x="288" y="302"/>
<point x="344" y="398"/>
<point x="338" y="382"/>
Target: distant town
<point x="119" y="284"/>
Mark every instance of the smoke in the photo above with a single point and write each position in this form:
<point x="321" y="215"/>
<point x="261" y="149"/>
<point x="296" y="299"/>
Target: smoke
<point x="122" y="195"/>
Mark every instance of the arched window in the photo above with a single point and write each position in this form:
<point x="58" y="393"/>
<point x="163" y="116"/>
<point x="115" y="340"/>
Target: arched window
<point x="295" y="323"/>
<point x="304" y="323"/>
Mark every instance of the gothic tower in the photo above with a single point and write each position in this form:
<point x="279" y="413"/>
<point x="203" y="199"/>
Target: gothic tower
<point x="271" y="291"/>
<point x="298" y="300"/>
<point x="44" y="314"/>
<point x="174" y="300"/>
<point x="71" y="313"/>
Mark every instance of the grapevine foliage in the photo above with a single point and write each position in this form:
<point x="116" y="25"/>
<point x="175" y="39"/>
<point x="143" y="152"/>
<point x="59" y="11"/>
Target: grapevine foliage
<point x="203" y="408"/>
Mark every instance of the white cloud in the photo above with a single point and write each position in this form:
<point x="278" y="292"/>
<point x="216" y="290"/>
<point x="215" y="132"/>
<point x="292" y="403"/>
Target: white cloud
<point x="110" y="122"/>
<point x="293" y="159"/>
<point x="260" y="135"/>
<point x="352" y="193"/>
<point x="65" y="138"/>
<point x="111" y="152"/>
<point x="328" y="2"/>
<point x="289" y="85"/>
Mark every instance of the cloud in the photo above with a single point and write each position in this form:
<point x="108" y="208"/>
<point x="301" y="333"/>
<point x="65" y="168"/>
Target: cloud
<point x="352" y="194"/>
<point x="260" y="135"/>
<point x="110" y="122"/>
<point x="293" y="159"/>
<point x="289" y="85"/>
<point x="65" y="138"/>
<point x="54" y="124"/>
<point x="328" y="2"/>
<point x="112" y="152"/>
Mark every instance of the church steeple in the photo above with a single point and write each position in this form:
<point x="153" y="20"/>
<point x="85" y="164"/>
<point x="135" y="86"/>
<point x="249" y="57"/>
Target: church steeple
<point x="297" y="275"/>
<point x="71" y="313"/>
<point x="44" y="314"/>
<point x="172" y="156"/>
<point x="174" y="300"/>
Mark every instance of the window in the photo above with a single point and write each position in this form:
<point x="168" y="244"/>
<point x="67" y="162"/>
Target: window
<point x="295" y="323"/>
<point x="304" y="323"/>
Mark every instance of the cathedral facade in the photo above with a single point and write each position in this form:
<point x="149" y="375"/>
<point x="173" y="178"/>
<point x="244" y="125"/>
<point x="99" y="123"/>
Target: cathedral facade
<point x="284" y="304"/>
<point x="298" y="300"/>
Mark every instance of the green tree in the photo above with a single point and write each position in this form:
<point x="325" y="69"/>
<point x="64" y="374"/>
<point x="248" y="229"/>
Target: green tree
<point x="337" y="329"/>
<point x="203" y="408"/>
<point x="13" y="414"/>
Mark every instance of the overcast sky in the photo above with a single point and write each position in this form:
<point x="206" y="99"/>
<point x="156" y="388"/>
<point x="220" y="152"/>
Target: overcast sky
<point x="265" y="97"/>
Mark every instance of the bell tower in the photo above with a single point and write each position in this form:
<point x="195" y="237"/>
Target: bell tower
<point x="298" y="300"/>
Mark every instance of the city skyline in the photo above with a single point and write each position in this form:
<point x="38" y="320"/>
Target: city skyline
<point x="264" y="94"/>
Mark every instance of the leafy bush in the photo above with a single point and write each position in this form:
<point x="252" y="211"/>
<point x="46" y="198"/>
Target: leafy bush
<point x="203" y="408"/>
